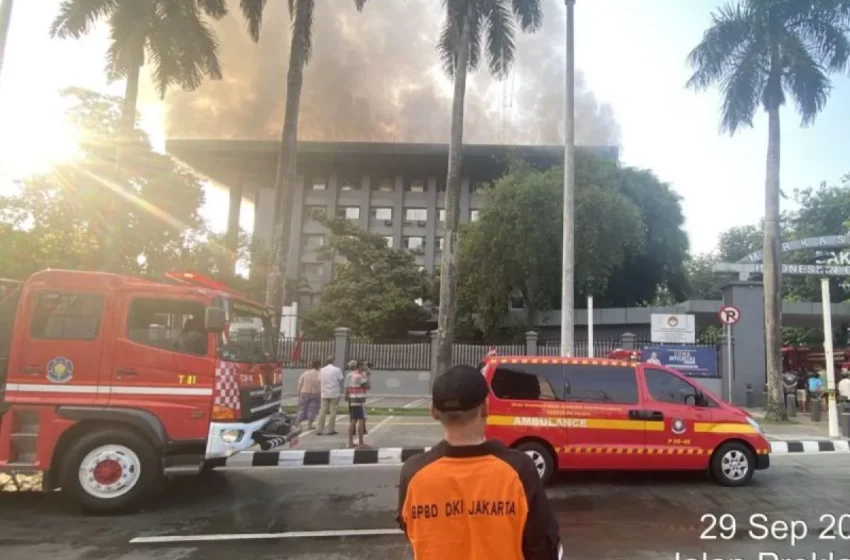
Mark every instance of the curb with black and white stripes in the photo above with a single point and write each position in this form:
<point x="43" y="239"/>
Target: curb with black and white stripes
<point x="398" y="455"/>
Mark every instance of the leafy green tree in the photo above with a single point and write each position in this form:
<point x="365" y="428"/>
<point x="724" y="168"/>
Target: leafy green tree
<point x="171" y="34"/>
<point x="301" y="44"/>
<point x="376" y="291"/>
<point x="470" y="26"/>
<point x="758" y="51"/>
<point x="57" y="219"/>
<point x="514" y="249"/>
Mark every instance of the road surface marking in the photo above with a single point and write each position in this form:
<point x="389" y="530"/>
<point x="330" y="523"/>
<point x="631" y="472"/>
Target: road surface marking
<point x="380" y="425"/>
<point x="373" y="401"/>
<point x="412" y="404"/>
<point x="268" y="536"/>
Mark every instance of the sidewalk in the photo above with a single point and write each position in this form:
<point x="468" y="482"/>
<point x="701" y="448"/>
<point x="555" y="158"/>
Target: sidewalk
<point x="799" y="427"/>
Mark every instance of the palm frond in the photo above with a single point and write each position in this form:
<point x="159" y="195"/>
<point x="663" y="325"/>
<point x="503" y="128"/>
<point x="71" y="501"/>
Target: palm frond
<point x="477" y="25"/>
<point x="742" y="86"/>
<point x="805" y="79"/>
<point x="731" y="32"/>
<point x="302" y="26"/>
<point x="359" y="4"/>
<point x="449" y="40"/>
<point x="500" y="38"/>
<point x="129" y="25"/>
<point x="76" y="17"/>
<point x="825" y="31"/>
<point x="215" y="9"/>
<point x="529" y="14"/>
<point x="252" y="11"/>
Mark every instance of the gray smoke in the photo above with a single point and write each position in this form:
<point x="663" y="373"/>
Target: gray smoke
<point x="375" y="76"/>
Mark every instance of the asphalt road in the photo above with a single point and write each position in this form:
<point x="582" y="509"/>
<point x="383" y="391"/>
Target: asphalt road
<point x="605" y="516"/>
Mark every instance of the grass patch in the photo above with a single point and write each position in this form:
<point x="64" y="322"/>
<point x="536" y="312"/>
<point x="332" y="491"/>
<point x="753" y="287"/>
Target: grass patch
<point x="376" y="411"/>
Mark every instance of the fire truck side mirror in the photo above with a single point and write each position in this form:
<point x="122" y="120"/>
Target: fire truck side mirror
<point x="214" y="319"/>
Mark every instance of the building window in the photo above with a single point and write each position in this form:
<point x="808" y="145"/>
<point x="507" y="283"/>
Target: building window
<point x="414" y="243"/>
<point x="312" y="269"/>
<point x="600" y="384"/>
<point x="389" y="240"/>
<point x="441" y="215"/>
<point x="440" y="241"/>
<point x="349" y="184"/>
<point x="319" y="184"/>
<point x="385" y="185"/>
<point x="382" y="213"/>
<point x="313" y="211"/>
<point x="473" y="215"/>
<point x="169" y="324"/>
<point x="416" y="215"/>
<point x="314" y="240"/>
<point x="66" y="316"/>
<point x="441" y="186"/>
<point x="416" y="186"/>
<point x="528" y="382"/>
<point x="349" y="212"/>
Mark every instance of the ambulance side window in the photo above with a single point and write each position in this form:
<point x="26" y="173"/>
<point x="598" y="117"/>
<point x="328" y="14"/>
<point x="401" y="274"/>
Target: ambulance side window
<point x="665" y="387"/>
<point x="601" y="384"/>
<point x="66" y="316"/>
<point x="528" y="382"/>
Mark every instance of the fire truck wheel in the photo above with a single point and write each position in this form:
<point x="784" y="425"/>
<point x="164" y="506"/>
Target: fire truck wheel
<point x="733" y="464"/>
<point x="110" y="471"/>
<point x="541" y="457"/>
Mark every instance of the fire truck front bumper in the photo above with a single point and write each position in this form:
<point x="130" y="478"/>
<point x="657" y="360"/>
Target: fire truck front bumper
<point x="228" y="438"/>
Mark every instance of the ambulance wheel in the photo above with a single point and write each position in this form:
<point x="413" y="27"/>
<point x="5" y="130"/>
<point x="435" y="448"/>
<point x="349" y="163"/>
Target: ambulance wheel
<point x="733" y="464"/>
<point x="542" y="458"/>
<point x="111" y="471"/>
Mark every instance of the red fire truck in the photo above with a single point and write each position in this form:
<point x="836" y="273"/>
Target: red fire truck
<point x="113" y="383"/>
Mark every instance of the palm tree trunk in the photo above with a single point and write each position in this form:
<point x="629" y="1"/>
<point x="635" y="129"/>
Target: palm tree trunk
<point x="286" y="162"/>
<point x="772" y="272"/>
<point x="5" y="20"/>
<point x="448" y="266"/>
<point x="131" y="95"/>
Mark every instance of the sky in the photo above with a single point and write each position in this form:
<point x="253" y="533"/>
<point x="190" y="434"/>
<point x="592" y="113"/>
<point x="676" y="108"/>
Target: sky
<point x="631" y="54"/>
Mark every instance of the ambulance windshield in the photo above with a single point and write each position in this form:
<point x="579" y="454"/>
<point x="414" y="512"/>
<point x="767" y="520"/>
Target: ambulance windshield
<point x="249" y="336"/>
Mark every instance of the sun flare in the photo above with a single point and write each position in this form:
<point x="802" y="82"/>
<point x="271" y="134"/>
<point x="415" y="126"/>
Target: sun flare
<point x="32" y="144"/>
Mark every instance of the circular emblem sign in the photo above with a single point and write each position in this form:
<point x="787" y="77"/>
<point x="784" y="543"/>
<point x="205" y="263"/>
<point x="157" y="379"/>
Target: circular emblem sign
<point x="678" y="426"/>
<point x="672" y="321"/>
<point x="60" y="370"/>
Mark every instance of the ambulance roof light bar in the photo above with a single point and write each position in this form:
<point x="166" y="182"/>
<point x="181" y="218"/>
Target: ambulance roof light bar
<point x="201" y="281"/>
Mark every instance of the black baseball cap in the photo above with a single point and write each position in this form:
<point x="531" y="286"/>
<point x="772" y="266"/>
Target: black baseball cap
<point x="458" y="389"/>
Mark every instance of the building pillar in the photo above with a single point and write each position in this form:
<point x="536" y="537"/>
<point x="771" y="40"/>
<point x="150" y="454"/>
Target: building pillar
<point x="398" y="212"/>
<point x="365" y="202"/>
<point x="726" y="346"/>
<point x="748" y="350"/>
<point x="627" y="340"/>
<point x="231" y="237"/>
<point x="433" y="228"/>
<point x="341" y="336"/>
<point x="531" y="343"/>
<point x="464" y="201"/>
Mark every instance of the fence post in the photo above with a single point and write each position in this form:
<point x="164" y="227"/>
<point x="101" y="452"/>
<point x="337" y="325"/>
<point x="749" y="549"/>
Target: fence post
<point x="341" y="346"/>
<point x="627" y="340"/>
<point x="531" y="343"/>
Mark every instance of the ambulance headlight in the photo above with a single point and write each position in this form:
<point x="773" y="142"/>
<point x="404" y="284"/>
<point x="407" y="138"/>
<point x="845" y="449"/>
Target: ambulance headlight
<point x="755" y="425"/>
<point x="231" y="436"/>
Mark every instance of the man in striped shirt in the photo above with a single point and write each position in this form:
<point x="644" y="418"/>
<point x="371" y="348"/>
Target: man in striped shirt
<point x="356" y="385"/>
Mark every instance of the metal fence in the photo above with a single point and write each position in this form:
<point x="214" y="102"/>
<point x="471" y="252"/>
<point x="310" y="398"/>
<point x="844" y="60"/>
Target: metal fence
<point x="401" y="355"/>
<point x="473" y="353"/>
<point x="308" y="351"/>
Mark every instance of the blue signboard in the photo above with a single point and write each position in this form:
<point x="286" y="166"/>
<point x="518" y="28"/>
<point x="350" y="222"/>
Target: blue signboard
<point x="692" y="361"/>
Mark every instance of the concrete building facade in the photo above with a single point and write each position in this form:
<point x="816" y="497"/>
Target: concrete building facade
<point x="394" y="190"/>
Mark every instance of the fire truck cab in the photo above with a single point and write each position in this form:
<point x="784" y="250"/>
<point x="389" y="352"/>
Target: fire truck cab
<point x="110" y="383"/>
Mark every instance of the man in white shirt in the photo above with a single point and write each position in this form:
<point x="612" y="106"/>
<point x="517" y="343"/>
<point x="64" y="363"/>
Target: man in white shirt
<point x="332" y="378"/>
<point x="844" y="386"/>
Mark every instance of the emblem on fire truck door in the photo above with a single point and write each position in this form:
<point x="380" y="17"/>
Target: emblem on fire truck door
<point x="678" y="426"/>
<point x="60" y="370"/>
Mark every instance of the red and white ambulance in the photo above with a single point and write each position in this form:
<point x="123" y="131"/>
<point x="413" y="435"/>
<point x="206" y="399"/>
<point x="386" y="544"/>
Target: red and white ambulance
<point x="110" y="383"/>
<point x="589" y="414"/>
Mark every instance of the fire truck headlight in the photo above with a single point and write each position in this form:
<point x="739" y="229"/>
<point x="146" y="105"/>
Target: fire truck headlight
<point x="755" y="425"/>
<point x="231" y="436"/>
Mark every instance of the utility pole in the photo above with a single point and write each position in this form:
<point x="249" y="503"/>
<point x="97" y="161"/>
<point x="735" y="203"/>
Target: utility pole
<point x="568" y="260"/>
<point x="5" y="19"/>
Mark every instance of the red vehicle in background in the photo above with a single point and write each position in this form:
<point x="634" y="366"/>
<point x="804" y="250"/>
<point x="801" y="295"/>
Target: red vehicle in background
<point x="112" y="382"/>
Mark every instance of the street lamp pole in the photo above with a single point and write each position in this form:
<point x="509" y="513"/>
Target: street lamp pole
<point x="568" y="257"/>
<point x="5" y="19"/>
<point x="832" y="399"/>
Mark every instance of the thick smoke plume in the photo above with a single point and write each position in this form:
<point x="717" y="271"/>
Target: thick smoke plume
<point x="375" y="76"/>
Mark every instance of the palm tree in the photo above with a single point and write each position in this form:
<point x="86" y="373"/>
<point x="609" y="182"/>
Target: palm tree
<point x="5" y="19"/>
<point x="171" y="34"/>
<point x="301" y="43"/>
<point x="467" y="24"/>
<point x="758" y="51"/>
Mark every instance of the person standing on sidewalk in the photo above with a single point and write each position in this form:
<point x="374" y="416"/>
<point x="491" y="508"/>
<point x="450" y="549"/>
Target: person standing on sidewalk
<point x="468" y="497"/>
<point x="844" y="386"/>
<point x="331" y="380"/>
<point x="356" y="385"/>
<point x="309" y="395"/>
